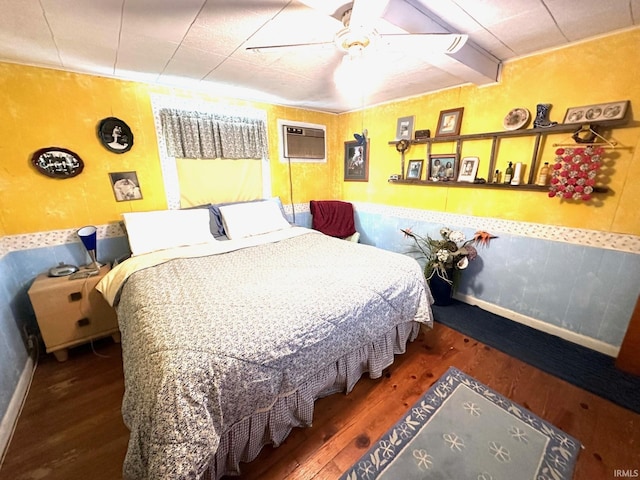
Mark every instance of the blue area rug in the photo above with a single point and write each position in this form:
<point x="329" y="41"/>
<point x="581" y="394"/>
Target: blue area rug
<point x="581" y="366"/>
<point x="461" y="429"/>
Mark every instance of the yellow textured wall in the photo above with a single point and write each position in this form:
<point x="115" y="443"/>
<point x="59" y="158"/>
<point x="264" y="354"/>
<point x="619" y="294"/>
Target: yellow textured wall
<point x="601" y="70"/>
<point x="44" y="108"/>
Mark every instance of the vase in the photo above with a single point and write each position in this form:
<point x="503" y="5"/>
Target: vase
<point x="441" y="290"/>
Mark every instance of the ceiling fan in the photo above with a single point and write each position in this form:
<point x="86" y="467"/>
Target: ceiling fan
<point x="359" y="34"/>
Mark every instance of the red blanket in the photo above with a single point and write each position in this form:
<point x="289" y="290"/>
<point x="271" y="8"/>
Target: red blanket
<point x="332" y="217"/>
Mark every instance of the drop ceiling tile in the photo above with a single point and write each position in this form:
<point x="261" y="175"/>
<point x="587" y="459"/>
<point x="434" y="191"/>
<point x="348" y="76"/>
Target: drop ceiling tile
<point x="590" y="17"/>
<point x="294" y="26"/>
<point x="165" y="20"/>
<point x="138" y="53"/>
<point x="161" y="40"/>
<point x="25" y="36"/>
<point x="192" y="63"/>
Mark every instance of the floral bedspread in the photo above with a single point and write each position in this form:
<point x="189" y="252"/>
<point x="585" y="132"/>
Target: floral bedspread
<point x="210" y="340"/>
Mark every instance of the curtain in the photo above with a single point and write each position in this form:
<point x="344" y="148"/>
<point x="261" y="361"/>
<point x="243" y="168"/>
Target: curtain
<point x="192" y="134"/>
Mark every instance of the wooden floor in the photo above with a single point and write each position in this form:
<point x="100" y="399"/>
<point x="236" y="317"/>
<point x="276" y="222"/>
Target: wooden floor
<point x="71" y="426"/>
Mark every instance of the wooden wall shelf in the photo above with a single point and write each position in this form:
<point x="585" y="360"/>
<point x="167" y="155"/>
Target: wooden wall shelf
<point x="497" y="186"/>
<point x="495" y="137"/>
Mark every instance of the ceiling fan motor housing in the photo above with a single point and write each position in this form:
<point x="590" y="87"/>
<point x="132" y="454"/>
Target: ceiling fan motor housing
<point x="354" y="40"/>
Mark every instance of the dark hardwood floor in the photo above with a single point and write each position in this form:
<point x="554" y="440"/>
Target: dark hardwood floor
<point x="71" y="426"/>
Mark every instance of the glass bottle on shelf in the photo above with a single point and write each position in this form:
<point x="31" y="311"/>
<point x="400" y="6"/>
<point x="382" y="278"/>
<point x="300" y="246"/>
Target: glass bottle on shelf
<point x="496" y="177"/>
<point x="508" y="174"/>
<point x="543" y="175"/>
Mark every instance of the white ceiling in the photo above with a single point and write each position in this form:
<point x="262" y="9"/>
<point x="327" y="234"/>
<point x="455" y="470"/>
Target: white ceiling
<point x="201" y="44"/>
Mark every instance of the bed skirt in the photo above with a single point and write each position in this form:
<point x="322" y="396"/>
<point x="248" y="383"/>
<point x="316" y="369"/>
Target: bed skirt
<point x="244" y="440"/>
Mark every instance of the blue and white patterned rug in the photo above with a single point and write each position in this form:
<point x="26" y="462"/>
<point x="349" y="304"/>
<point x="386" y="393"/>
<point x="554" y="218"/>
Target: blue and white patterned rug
<point x="461" y="429"/>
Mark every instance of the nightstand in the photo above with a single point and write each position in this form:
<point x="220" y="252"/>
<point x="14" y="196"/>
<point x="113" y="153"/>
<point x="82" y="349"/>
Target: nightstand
<point x="71" y="312"/>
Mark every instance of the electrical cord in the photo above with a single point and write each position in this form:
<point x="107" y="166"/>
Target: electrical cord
<point x="293" y="207"/>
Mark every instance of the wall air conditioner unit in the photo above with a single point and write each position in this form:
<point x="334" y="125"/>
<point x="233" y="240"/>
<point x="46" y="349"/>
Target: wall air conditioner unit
<point x="303" y="142"/>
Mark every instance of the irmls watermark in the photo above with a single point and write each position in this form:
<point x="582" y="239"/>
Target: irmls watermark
<point x="626" y="473"/>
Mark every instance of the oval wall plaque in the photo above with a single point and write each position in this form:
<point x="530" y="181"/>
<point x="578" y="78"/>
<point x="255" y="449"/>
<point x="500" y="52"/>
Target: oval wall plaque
<point x="115" y="135"/>
<point x="57" y="162"/>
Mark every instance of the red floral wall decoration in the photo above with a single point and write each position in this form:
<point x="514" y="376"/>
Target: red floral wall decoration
<point x="574" y="172"/>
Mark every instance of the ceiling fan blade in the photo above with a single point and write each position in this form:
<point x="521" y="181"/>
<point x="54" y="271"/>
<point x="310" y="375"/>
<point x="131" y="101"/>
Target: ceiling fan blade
<point x="366" y="13"/>
<point x="432" y="42"/>
<point x="289" y="45"/>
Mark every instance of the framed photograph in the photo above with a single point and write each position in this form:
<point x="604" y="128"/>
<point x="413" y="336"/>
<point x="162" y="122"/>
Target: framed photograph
<point x="449" y="122"/>
<point x="443" y="167"/>
<point x="56" y="162"/>
<point x="601" y="111"/>
<point x="125" y="186"/>
<point x="404" y="129"/>
<point x="414" y="169"/>
<point x="356" y="162"/>
<point x="115" y="135"/>
<point x="468" y="169"/>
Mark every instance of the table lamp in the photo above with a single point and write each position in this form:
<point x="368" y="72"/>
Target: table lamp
<point x="88" y="235"/>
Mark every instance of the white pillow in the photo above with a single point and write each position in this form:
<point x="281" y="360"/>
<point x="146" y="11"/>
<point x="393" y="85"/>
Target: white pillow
<point x="255" y="218"/>
<point x="162" y="229"/>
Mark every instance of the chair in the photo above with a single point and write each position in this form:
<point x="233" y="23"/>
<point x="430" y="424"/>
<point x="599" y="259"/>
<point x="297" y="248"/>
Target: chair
<point x="334" y="218"/>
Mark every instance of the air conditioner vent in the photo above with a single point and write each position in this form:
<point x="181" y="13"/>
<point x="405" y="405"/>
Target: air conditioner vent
<point x="303" y="142"/>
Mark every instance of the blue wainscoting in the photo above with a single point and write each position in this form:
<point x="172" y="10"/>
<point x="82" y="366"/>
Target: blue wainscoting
<point x="17" y="272"/>
<point x="585" y="290"/>
<point x="588" y="291"/>
<point x="13" y="353"/>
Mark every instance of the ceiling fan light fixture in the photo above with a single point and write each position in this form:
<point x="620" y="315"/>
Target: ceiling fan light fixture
<point x="348" y="37"/>
<point x="356" y="74"/>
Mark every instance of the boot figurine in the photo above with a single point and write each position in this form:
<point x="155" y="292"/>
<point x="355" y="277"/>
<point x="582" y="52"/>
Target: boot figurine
<point x="542" y="116"/>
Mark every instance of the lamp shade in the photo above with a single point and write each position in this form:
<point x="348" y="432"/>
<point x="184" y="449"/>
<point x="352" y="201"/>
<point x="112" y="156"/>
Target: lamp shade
<point x="88" y="235"/>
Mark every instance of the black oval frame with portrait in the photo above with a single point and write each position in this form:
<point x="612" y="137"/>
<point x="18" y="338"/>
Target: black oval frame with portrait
<point x="115" y="135"/>
<point x="57" y="162"/>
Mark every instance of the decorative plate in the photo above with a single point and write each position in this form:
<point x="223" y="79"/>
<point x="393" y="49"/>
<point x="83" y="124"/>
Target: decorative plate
<point x="115" y="135"/>
<point x="57" y="162"/>
<point x="516" y="118"/>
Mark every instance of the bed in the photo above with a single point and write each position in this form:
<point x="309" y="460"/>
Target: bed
<point x="227" y="344"/>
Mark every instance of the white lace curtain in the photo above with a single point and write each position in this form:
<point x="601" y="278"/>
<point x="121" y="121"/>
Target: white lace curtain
<point x="205" y="135"/>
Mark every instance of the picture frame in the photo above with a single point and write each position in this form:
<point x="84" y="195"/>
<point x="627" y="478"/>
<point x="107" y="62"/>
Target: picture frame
<point x="125" y="186"/>
<point x="599" y="111"/>
<point x="57" y="162"/>
<point x="449" y="122"/>
<point x="414" y="169"/>
<point x="404" y="128"/>
<point x="443" y="167"/>
<point x="356" y="161"/>
<point x="115" y="135"/>
<point x="468" y="169"/>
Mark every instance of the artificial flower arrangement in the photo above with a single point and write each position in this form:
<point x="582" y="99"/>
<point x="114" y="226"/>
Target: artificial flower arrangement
<point x="451" y="253"/>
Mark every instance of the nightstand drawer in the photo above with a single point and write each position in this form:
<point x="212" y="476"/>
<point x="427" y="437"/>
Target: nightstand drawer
<point x="71" y="312"/>
<point x="75" y="321"/>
